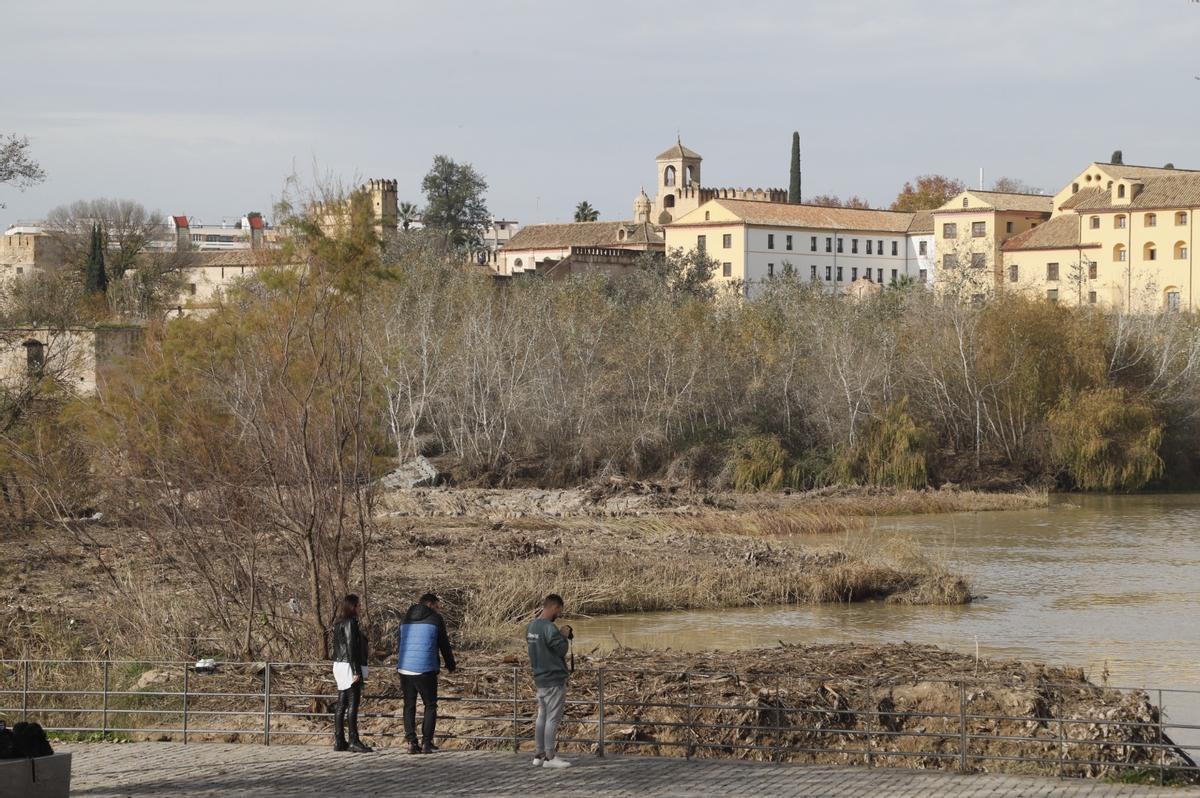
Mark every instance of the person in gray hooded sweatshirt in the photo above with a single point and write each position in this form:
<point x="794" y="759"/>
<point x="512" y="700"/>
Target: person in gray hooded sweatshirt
<point x="548" y="658"/>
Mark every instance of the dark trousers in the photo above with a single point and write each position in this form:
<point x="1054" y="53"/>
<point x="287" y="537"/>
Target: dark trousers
<point x="426" y="684"/>
<point x="345" y="716"/>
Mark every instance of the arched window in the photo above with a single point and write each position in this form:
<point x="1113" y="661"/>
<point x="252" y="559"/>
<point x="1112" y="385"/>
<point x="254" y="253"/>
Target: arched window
<point x="1119" y="221"/>
<point x="965" y="202"/>
<point x="1119" y="253"/>
<point x="1181" y="217"/>
<point x="1171" y="298"/>
<point x="689" y="175"/>
<point x="669" y="176"/>
<point x="1149" y="252"/>
<point x="1181" y="250"/>
<point x="1150" y="220"/>
<point x="669" y="200"/>
<point x="1075" y="187"/>
<point x="1121" y="191"/>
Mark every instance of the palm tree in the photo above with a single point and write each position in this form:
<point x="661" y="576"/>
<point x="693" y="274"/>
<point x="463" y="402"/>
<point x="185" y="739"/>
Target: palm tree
<point x="584" y="212"/>
<point x="409" y="213"/>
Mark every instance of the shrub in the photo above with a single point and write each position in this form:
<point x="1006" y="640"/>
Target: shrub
<point x="1105" y="439"/>
<point x="895" y="451"/>
<point x="761" y="463"/>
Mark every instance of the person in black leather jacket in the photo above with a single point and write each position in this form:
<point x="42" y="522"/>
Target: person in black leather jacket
<point x="349" y="671"/>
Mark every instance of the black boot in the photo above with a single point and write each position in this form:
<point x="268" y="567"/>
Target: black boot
<point x="356" y="745"/>
<point x="339" y="724"/>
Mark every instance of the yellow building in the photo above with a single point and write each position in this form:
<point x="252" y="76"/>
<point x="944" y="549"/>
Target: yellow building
<point x="970" y="231"/>
<point x="1121" y="237"/>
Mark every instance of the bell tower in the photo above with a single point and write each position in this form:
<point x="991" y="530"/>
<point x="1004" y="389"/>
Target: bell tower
<point x="678" y="182"/>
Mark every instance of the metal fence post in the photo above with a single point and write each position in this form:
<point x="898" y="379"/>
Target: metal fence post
<point x="25" y="690"/>
<point x="267" y="705"/>
<point x="515" y="730"/>
<point x="871" y="706"/>
<point x="691" y="718"/>
<point x="186" y="671"/>
<point x="1162" y="750"/>
<point x="104" y="704"/>
<point x="1062" y="746"/>
<point x="600" y="711"/>
<point x="962" y="727"/>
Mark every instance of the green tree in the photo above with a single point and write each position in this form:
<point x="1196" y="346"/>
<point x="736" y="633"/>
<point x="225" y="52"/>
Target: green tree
<point x="794" y="181"/>
<point x="584" y="212"/>
<point x="930" y="191"/>
<point x="95" y="279"/>
<point x="454" y="204"/>
<point x="409" y="213"/>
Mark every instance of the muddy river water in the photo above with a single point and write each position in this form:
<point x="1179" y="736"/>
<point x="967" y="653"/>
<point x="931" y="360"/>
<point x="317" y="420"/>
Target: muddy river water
<point x="1109" y="583"/>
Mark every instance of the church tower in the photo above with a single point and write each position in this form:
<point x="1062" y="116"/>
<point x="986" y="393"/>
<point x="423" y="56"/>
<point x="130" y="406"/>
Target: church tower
<point x="678" y="183"/>
<point x="643" y="208"/>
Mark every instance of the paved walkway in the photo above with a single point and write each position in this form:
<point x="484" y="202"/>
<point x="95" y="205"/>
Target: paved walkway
<point x="208" y="769"/>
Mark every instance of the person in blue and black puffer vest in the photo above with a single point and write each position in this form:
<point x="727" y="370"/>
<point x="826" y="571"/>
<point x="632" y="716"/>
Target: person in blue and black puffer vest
<point x="422" y="635"/>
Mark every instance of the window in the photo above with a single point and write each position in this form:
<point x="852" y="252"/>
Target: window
<point x="1075" y="186"/>
<point x="923" y="248"/>
<point x="813" y="243"/>
<point x="812" y="272"/>
<point x="770" y="269"/>
<point x="517" y="263"/>
<point x="1052" y="294"/>
<point x="839" y="279"/>
<point x="1119" y="253"/>
<point x="964" y="202"/>
<point x="879" y="247"/>
<point x="1092" y="270"/>
<point x="1121" y="191"/>
<point x="1181" y="250"/>
<point x="1150" y="252"/>
<point x="867" y="275"/>
<point x="669" y="176"/>
<point x="727" y="240"/>
<point x="770" y="241"/>
<point x="828" y="273"/>
<point x="894" y="252"/>
<point x="1172" y="300"/>
<point x="840" y="243"/>
<point x="978" y="260"/>
<point x="787" y="270"/>
<point x="706" y="216"/>
<point x="854" y="246"/>
<point x="1014" y="273"/>
<point x="669" y="201"/>
<point x="923" y="275"/>
<point x="893" y="275"/>
<point x="788" y="243"/>
<point x="1095" y="222"/>
<point x="192" y="289"/>
<point x="978" y="229"/>
<point x="727" y="269"/>
<point x="1180" y="218"/>
<point x="701" y="243"/>
<point x="879" y="275"/>
<point x="1052" y="272"/>
<point x="1119" y="222"/>
<point x="829" y="245"/>
<point x="20" y="270"/>
<point x="949" y="261"/>
<point x="1091" y="297"/>
<point x="870" y="248"/>
<point x="1008" y="227"/>
<point x="35" y="356"/>
<point x="853" y="273"/>
<point x="1150" y="220"/>
<point x="949" y="230"/>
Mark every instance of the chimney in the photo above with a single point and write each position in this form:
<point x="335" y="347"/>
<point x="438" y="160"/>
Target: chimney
<point x="183" y="234"/>
<point x="255" y="220"/>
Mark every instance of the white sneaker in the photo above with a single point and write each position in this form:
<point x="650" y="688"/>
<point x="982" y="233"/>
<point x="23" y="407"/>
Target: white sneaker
<point x="556" y="763"/>
<point x="537" y="761"/>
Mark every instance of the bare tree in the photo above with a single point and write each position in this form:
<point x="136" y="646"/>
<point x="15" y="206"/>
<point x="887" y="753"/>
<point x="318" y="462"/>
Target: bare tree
<point x="128" y="230"/>
<point x="17" y="166"/>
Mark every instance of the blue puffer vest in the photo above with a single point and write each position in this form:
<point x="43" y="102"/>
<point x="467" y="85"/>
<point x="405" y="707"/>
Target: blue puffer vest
<point x="417" y="649"/>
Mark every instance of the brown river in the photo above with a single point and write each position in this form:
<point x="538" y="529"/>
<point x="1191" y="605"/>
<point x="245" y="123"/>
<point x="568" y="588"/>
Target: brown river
<point x="1109" y="583"/>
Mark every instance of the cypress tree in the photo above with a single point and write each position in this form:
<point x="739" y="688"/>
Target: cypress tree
<point x="95" y="279"/>
<point x="794" y="184"/>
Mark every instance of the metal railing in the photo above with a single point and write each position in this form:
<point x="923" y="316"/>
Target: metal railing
<point x="814" y="717"/>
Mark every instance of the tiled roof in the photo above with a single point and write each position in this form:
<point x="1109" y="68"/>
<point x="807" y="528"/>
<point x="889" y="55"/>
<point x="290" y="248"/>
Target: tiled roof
<point x="1061" y="232"/>
<point x="583" y="234"/>
<point x="1080" y="196"/>
<point x="677" y="150"/>
<point x="180" y="221"/>
<point x="1172" y="190"/>
<point x="922" y="222"/>
<point x="787" y="215"/>
<point x="1001" y="201"/>
<point x="1120" y="170"/>
<point x="230" y="258"/>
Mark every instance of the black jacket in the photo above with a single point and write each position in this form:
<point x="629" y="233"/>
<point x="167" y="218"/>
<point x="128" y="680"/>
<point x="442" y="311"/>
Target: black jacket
<point x="422" y="635"/>
<point x="349" y="644"/>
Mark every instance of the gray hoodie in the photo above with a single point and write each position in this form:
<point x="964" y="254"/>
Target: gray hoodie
<point x="547" y="653"/>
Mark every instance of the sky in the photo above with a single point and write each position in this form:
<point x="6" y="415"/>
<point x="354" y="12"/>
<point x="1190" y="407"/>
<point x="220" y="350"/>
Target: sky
<point x="205" y="109"/>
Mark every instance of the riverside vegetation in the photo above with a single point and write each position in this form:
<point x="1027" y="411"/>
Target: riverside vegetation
<point x="236" y="458"/>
